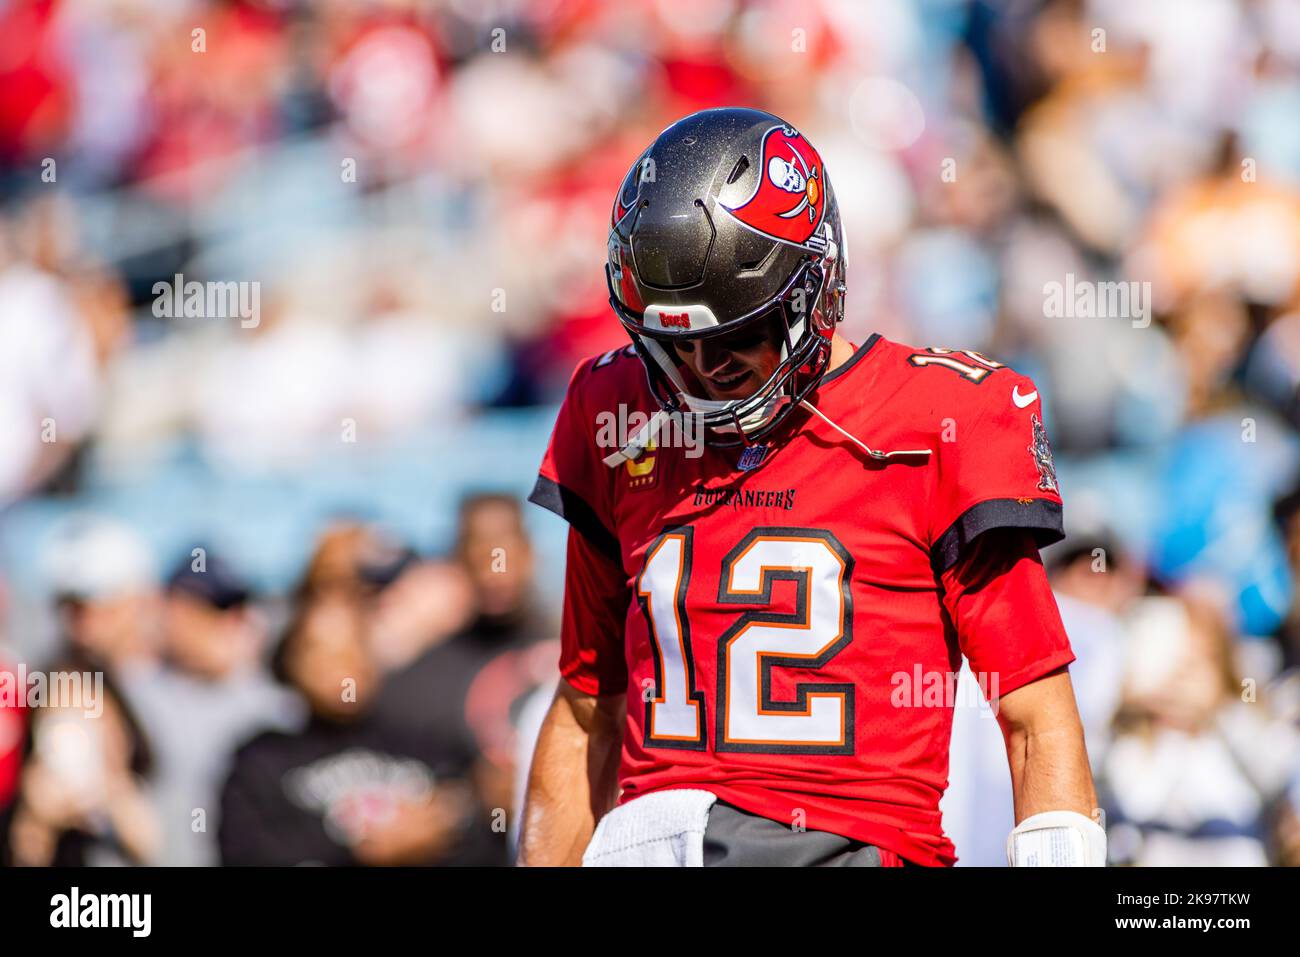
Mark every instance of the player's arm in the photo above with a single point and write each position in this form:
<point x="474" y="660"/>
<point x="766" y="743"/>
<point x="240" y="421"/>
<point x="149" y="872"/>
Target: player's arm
<point x="573" y="780"/>
<point x="1011" y="632"/>
<point x="1010" y="629"/>
<point x="1055" y="799"/>
<point x="1045" y="748"/>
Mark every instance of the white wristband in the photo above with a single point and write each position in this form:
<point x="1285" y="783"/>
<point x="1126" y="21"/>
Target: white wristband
<point x="1057" y="839"/>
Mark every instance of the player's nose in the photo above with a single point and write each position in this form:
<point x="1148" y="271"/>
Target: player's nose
<point x="713" y="358"/>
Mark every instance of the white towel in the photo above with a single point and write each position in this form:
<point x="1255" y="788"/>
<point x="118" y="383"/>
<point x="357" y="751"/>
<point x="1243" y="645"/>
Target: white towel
<point x="661" y="829"/>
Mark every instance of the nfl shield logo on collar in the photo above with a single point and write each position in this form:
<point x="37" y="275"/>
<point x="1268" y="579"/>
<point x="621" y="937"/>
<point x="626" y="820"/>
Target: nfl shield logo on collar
<point x="752" y="457"/>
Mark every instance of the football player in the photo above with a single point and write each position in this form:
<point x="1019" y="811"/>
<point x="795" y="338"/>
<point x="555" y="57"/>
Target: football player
<point x="761" y="630"/>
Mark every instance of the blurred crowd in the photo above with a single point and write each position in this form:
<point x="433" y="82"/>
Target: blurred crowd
<point x="230" y="520"/>
<point x="366" y="718"/>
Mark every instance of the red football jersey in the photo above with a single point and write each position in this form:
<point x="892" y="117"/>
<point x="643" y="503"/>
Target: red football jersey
<point x="13" y="727"/>
<point x="788" y="635"/>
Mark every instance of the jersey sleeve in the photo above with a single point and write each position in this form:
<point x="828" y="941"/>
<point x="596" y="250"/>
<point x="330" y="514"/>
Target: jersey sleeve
<point x="1007" y="622"/>
<point x="13" y="731"/>
<point x="597" y="596"/>
<point x="573" y="481"/>
<point x="995" y="471"/>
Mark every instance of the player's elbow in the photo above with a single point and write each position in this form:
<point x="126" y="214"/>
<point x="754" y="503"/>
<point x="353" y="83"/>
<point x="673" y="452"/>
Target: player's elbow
<point x="599" y="715"/>
<point x="1044" y="707"/>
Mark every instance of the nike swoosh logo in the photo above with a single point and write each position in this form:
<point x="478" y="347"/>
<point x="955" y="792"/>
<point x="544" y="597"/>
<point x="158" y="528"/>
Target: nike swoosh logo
<point x="1022" y="400"/>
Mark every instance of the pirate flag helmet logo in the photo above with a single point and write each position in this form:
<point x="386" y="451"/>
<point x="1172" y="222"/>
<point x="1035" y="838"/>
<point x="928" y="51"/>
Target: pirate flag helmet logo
<point x="789" y="198"/>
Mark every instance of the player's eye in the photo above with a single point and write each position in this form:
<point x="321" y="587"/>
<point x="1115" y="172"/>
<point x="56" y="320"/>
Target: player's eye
<point x="743" y="342"/>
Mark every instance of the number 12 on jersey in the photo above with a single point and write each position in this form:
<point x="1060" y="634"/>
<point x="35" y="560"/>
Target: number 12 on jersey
<point x="819" y="719"/>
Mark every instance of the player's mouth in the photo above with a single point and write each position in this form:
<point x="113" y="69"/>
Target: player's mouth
<point x="719" y="384"/>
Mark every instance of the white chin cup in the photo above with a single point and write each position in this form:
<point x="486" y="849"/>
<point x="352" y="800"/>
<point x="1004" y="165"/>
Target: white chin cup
<point x="1057" y="839"/>
<point x="750" y="423"/>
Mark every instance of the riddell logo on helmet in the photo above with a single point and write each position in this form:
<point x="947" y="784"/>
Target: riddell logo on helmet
<point x="678" y="320"/>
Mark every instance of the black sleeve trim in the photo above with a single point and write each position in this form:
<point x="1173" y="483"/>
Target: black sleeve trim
<point x="569" y="506"/>
<point x="862" y="350"/>
<point x="1041" y="516"/>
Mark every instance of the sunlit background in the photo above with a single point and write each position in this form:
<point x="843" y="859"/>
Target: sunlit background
<point x="224" y="516"/>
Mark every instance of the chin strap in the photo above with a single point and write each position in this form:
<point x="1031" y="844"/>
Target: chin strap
<point x="640" y="441"/>
<point x="649" y="432"/>
<point x="878" y="456"/>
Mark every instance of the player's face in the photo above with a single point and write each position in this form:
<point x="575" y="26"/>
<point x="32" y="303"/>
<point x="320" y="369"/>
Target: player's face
<point x="733" y="366"/>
